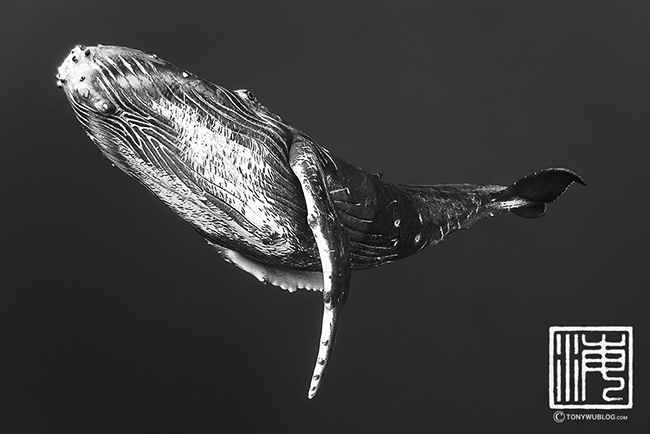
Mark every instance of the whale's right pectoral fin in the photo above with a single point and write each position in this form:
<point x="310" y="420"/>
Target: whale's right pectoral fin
<point x="332" y="242"/>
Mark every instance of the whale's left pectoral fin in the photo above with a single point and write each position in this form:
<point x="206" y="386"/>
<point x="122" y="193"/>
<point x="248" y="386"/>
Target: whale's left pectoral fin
<point x="332" y="242"/>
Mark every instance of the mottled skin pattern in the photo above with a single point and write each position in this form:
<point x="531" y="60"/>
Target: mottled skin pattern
<point x="263" y="193"/>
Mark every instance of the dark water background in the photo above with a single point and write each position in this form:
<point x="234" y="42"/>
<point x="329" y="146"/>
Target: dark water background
<point x="118" y="318"/>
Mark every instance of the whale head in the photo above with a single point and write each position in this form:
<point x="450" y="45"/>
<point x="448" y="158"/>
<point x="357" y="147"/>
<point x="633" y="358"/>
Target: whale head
<point x="103" y="79"/>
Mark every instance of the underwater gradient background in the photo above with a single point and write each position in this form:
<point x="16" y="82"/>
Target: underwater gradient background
<point x="116" y="317"/>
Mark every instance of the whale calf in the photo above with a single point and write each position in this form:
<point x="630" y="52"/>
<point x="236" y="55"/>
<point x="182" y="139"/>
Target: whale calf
<point x="264" y="194"/>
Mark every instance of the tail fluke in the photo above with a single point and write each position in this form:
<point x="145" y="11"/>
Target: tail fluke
<point x="528" y="197"/>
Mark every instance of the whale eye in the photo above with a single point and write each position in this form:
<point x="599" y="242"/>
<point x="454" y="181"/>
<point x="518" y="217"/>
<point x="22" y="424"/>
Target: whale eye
<point x="250" y="96"/>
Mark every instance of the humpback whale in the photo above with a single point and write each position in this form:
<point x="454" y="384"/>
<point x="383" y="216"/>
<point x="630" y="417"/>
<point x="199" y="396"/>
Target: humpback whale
<point x="263" y="193"/>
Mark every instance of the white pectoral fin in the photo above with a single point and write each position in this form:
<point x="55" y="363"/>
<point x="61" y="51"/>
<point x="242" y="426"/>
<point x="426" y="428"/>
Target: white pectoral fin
<point x="290" y="280"/>
<point x="333" y="247"/>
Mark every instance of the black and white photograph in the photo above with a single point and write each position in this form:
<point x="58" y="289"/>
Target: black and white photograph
<point x="324" y="216"/>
